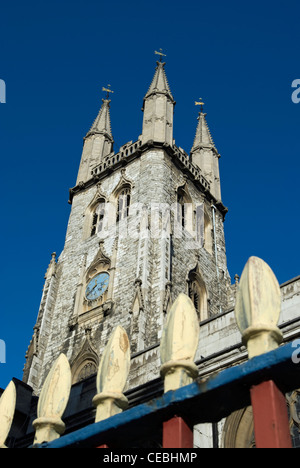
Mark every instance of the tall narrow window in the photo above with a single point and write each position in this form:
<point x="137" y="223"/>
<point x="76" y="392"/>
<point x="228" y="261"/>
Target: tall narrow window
<point x="184" y="210"/>
<point x="194" y="294"/>
<point x="123" y="204"/>
<point x="180" y="213"/>
<point x="97" y="218"/>
<point x="208" y="243"/>
<point x="198" y="294"/>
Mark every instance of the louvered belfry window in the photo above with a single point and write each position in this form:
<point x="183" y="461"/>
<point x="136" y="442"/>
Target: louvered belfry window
<point x="123" y="204"/>
<point x="98" y="217"/>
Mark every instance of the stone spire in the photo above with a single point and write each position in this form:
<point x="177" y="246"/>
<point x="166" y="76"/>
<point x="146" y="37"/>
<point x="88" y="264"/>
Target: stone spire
<point x="102" y="125"/>
<point x="204" y="154"/>
<point x="159" y="83"/>
<point x="203" y="138"/>
<point x="98" y="142"/>
<point x="158" y="108"/>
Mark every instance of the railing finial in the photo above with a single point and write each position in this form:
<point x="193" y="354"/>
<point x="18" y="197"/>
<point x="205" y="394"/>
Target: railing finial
<point x="179" y="344"/>
<point x="52" y="402"/>
<point x="112" y="376"/>
<point x="7" y="410"/>
<point x="258" y="306"/>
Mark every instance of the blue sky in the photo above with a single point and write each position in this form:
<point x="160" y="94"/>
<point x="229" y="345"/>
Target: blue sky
<point x="240" y="57"/>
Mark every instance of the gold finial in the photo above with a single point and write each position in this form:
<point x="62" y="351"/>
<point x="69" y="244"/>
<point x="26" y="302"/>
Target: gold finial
<point x="160" y="53"/>
<point x="200" y="103"/>
<point x="179" y="344"/>
<point x="258" y="306"/>
<point x="112" y="376"/>
<point x="108" y="90"/>
<point x="52" y="402"/>
<point x="7" y="411"/>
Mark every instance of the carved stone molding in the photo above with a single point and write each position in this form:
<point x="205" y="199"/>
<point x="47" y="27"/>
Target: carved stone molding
<point x="86" y="361"/>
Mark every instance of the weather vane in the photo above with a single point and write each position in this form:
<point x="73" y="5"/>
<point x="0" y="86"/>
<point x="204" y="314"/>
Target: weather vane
<point x="200" y="103"/>
<point x="160" y="53"/>
<point x="108" y="90"/>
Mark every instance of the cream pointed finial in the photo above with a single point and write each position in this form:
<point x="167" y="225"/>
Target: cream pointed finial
<point x="52" y="267"/>
<point x="257" y="309"/>
<point x="7" y="410"/>
<point x="179" y="344"/>
<point x="52" y="402"/>
<point x="112" y="376"/>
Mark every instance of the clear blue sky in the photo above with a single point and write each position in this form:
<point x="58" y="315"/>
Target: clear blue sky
<point x="240" y="57"/>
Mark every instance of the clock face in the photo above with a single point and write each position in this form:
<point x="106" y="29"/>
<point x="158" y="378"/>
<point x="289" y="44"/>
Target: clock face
<point x="97" y="286"/>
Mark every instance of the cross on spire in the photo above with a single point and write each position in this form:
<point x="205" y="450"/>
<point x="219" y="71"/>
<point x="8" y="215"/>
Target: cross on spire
<point x="160" y="53"/>
<point x="108" y="90"/>
<point x="200" y="103"/>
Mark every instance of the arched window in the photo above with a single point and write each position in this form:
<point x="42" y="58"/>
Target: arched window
<point x="184" y="209"/>
<point x="86" y="370"/>
<point x="98" y="217"/>
<point x="123" y="203"/>
<point x="198" y="293"/>
<point x="180" y="213"/>
<point x="86" y="362"/>
<point x="208" y="242"/>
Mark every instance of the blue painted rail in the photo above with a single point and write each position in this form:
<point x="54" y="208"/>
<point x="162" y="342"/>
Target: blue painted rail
<point x="202" y="401"/>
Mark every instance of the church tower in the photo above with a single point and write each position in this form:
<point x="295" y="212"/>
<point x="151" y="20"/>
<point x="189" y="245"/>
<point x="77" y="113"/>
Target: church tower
<point x="146" y="223"/>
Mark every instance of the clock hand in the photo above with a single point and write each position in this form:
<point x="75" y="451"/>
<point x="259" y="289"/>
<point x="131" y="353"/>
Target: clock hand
<point x="92" y="288"/>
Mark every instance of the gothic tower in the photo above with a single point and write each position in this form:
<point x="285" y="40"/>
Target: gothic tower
<point x="146" y="223"/>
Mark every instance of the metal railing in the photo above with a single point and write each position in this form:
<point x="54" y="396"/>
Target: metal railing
<point x="262" y="381"/>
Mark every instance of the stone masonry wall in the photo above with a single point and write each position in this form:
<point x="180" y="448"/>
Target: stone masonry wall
<point x="157" y="263"/>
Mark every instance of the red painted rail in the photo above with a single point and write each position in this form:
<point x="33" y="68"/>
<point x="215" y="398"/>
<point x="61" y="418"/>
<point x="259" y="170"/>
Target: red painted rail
<point x="271" y="423"/>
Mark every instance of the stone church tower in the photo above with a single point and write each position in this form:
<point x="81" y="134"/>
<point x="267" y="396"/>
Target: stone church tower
<point x="146" y="223"/>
